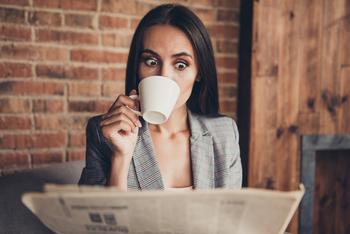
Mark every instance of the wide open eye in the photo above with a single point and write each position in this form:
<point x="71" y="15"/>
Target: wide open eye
<point x="151" y="62"/>
<point x="180" y="66"/>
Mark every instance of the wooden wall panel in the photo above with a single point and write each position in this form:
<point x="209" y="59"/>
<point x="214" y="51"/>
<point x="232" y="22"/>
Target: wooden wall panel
<point x="300" y="84"/>
<point x="344" y="113"/>
<point x="333" y="11"/>
<point x="288" y="96"/>
<point x="309" y="66"/>
<point x="344" y="60"/>
<point x="331" y="214"/>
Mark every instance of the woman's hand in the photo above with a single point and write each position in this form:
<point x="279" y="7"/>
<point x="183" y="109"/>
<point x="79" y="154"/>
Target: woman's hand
<point x="120" y="125"/>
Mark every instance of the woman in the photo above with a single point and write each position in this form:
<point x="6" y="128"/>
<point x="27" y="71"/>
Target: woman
<point x="196" y="147"/>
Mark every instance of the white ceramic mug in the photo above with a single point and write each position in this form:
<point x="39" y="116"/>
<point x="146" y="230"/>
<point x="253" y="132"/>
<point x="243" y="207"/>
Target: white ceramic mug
<point x="158" y="96"/>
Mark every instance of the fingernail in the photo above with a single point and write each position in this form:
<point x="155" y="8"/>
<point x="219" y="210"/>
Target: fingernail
<point x="139" y="124"/>
<point x="134" y="96"/>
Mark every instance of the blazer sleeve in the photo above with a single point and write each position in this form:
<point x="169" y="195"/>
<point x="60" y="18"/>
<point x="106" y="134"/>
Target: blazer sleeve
<point x="97" y="160"/>
<point x="236" y="165"/>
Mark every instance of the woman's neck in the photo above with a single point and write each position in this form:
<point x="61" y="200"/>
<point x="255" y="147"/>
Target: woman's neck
<point x="177" y="122"/>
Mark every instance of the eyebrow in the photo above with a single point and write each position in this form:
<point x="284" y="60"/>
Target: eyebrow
<point x="174" y="55"/>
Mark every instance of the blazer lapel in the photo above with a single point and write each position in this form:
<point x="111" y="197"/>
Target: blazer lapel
<point x="145" y="163"/>
<point x="202" y="157"/>
<point x="202" y="154"/>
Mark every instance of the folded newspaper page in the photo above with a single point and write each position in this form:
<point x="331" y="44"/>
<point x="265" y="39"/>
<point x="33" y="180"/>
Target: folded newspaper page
<point x="94" y="210"/>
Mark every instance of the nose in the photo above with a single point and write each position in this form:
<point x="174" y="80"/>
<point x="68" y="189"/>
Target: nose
<point x="166" y="70"/>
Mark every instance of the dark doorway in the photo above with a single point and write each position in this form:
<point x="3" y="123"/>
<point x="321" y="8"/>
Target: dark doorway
<point x="244" y="82"/>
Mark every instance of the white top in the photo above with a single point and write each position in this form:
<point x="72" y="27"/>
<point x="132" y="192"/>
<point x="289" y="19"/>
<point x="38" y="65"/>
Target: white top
<point x="179" y="189"/>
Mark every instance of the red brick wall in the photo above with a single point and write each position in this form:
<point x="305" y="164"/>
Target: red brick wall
<point x="62" y="61"/>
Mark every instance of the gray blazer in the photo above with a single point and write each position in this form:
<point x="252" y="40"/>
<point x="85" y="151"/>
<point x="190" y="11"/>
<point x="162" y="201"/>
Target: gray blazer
<point x="215" y="155"/>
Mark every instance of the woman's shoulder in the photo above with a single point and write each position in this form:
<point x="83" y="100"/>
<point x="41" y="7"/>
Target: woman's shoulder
<point x="93" y="129"/>
<point x="93" y="120"/>
<point x="218" y="125"/>
<point x="220" y="119"/>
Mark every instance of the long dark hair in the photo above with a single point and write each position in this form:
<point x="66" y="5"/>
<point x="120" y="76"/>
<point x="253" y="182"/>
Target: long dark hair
<point x="204" y="96"/>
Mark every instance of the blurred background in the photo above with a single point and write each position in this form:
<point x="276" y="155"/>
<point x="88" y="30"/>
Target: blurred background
<point x="63" y="61"/>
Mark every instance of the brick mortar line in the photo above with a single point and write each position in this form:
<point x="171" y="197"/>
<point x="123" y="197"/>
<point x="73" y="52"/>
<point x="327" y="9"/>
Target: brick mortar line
<point x="98" y="30"/>
<point x="77" y="64"/>
<point x="51" y="97"/>
<point x="130" y="24"/>
<point x="33" y="38"/>
<point x="38" y="114"/>
<point x="47" y="79"/>
<point x="76" y="148"/>
<point x="200" y="6"/>
<point x="88" y="99"/>
<point x="16" y="132"/>
<point x="31" y="114"/>
<point x="10" y="115"/>
<point x="106" y="13"/>
<point x="45" y="114"/>
<point x="66" y="11"/>
<point x="17" y="98"/>
<point x="16" y="78"/>
<point x="52" y="115"/>
<point x="63" y="21"/>
<point x="68" y="80"/>
<point x="53" y="45"/>
<point x="80" y="99"/>
<point x="31" y="7"/>
<point x="37" y="131"/>
<point x="51" y="80"/>
<point x="65" y="28"/>
<point x="117" y="31"/>
<point x="65" y="111"/>
<point x="58" y="98"/>
<point x="95" y="47"/>
<point x="73" y="64"/>
<point x="61" y="62"/>
<point x="99" y="5"/>
<point x="38" y="150"/>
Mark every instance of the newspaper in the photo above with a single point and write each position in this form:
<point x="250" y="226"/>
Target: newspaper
<point x="95" y="210"/>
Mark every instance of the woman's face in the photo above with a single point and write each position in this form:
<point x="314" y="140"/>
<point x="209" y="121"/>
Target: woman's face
<point x="168" y="52"/>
